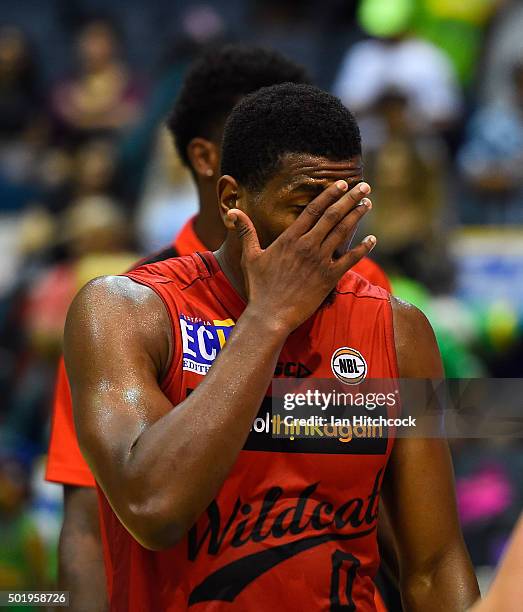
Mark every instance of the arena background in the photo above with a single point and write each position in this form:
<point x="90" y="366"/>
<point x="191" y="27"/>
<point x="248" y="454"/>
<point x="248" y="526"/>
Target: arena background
<point x="89" y="180"/>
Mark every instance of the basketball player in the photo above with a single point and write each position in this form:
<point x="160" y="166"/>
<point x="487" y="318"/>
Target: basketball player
<point x="211" y="88"/>
<point x="170" y="364"/>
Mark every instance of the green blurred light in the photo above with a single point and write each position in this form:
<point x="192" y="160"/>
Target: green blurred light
<point x="384" y="18"/>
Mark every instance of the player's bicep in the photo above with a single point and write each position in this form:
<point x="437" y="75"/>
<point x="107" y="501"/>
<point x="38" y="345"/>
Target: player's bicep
<point x="115" y="347"/>
<point x="419" y="488"/>
<point x="419" y="496"/>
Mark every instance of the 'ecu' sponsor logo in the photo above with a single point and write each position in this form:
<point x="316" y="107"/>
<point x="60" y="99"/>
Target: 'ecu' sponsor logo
<point x="202" y="341"/>
<point x="348" y="365"/>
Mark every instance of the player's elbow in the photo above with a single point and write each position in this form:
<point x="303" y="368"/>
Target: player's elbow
<point x="448" y="573"/>
<point x="416" y="588"/>
<point x="153" y="526"/>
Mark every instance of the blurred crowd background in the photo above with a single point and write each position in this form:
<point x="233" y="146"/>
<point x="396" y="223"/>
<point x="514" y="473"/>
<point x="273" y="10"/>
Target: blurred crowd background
<point x="89" y="180"/>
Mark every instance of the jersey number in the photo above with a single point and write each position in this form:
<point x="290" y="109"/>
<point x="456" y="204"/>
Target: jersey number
<point x="344" y="568"/>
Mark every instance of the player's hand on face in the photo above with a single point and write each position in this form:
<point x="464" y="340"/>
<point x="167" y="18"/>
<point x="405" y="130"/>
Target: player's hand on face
<point x="289" y="280"/>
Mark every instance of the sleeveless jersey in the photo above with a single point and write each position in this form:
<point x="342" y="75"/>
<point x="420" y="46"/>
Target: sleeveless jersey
<point x="293" y="526"/>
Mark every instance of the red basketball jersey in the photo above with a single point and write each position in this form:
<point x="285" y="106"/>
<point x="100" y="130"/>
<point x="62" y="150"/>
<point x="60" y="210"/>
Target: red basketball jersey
<point x="294" y="525"/>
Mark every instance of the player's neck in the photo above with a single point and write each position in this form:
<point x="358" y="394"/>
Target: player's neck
<point x="228" y="257"/>
<point x="208" y="225"/>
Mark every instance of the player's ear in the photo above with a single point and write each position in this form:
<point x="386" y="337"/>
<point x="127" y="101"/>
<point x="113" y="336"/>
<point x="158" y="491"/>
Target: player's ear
<point x="227" y="190"/>
<point x="204" y="157"/>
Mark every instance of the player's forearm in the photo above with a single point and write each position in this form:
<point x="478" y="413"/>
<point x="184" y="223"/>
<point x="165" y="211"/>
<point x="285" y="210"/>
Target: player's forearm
<point x="448" y="584"/>
<point x="81" y="565"/>
<point x="177" y="466"/>
<point x="82" y="573"/>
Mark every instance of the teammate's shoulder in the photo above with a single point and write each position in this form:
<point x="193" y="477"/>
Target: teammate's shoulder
<point x="180" y="271"/>
<point x="354" y="284"/>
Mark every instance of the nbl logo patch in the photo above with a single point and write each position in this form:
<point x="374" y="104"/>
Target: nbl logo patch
<point x="348" y="365"/>
<point x="202" y="341"/>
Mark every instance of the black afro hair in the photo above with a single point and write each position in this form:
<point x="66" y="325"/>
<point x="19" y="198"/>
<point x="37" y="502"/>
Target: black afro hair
<point x="285" y="118"/>
<point x="215" y="83"/>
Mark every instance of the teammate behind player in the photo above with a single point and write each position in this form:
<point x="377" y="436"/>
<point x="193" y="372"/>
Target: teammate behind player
<point x="237" y="516"/>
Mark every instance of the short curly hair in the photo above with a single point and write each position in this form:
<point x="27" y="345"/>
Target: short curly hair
<point x="215" y="83"/>
<point x="285" y="118"/>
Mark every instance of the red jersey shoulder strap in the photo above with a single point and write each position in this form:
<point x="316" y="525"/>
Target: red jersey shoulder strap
<point x="360" y="287"/>
<point x="168" y="279"/>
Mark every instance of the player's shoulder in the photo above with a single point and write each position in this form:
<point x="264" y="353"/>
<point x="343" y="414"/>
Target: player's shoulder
<point x="356" y="285"/>
<point x="111" y="309"/>
<point x="114" y="316"/>
<point x="410" y="322"/>
<point x="416" y="346"/>
<point x="106" y="295"/>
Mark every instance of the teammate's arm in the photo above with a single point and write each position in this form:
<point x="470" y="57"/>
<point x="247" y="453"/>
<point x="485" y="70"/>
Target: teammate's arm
<point x="160" y="467"/>
<point x="81" y="565"/>
<point x="80" y="554"/>
<point x="506" y="591"/>
<point x="435" y="569"/>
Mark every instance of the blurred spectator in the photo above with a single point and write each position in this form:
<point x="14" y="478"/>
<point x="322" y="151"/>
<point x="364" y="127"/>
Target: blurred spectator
<point x="397" y="60"/>
<point x="503" y="49"/>
<point x="90" y="170"/>
<point x="492" y="157"/>
<point x="103" y="97"/>
<point x="22" y="554"/>
<point x="20" y="94"/>
<point x="408" y="175"/>
<point x="23" y="125"/>
<point x="94" y="168"/>
<point x="169" y="196"/>
<point x="96" y="234"/>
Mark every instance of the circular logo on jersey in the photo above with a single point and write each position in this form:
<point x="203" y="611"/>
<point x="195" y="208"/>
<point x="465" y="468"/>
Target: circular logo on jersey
<point x="348" y="365"/>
